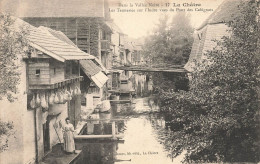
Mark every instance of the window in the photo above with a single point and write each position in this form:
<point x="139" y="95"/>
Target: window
<point x="103" y="35"/>
<point x="54" y="71"/>
<point x="75" y="69"/>
<point x="37" y="72"/>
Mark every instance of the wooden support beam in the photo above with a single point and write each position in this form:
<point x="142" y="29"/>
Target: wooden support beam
<point x="177" y="69"/>
<point x="120" y="101"/>
<point x="55" y="85"/>
<point x="103" y="120"/>
<point x="113" y="130"/>
<point x="109" y="136"/>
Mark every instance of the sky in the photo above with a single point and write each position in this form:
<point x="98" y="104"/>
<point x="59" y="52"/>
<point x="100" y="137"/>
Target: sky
<point x="139" y="24"/>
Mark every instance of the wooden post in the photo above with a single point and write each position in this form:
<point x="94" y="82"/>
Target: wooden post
<point x="113" y="130"/>
<point x="77" y="32"/>
<point x="89" y="38"/>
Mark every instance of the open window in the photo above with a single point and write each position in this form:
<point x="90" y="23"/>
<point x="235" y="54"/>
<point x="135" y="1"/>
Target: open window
<point x="37" y="72"/>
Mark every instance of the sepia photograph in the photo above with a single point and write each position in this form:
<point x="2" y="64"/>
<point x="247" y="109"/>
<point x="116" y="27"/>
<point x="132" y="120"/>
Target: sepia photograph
<point x="129" y="81"/>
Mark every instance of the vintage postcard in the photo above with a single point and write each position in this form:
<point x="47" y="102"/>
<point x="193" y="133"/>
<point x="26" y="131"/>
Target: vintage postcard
<point x="129" y="81"/>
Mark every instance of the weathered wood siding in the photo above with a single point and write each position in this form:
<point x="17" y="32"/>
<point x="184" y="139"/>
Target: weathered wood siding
<point x="71" y="69"/>
<point x="115" y="80"/>
<point x="43" y="77"/>
<point x="57" y="71"/>
<point x="84" y="32"/>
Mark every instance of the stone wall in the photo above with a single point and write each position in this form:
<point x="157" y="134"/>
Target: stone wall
<point x="21" y="145"/>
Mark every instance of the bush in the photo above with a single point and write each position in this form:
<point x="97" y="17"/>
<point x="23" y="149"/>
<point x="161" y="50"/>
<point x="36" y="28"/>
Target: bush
<point x="219" y="113"/>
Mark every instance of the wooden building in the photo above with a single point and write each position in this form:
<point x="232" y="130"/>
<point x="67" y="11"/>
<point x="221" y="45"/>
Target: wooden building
<point x="213" y="28"/>
<point x="49" y="92"/>
<point x="82" y="21"/>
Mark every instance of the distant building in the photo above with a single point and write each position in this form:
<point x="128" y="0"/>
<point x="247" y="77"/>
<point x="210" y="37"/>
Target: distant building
<point x="213" y="28"/>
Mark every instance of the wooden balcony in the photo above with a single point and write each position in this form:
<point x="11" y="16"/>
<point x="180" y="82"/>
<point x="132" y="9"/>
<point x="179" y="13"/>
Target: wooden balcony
<point x="59" y="84"/>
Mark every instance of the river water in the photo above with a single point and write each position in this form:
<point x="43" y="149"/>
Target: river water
<point x="139" y="122"/>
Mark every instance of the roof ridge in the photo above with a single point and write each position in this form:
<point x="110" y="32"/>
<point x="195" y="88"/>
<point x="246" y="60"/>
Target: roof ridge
<point x="46" y="30"/>
<point x="225" y="12"/>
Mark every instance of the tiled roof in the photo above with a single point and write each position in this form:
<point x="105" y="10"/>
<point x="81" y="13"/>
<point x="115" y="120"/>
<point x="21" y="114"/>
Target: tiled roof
<point x="41" y="39"/>
<point x="114" y="27"/>
<point x="226" y="12"/>
<point x="128" y="43"/>
<point x="138" y="47"/>
<point x="54" y="8"/>
<point x="129" y="46"/>
<point x="99" y="79"/>
<point x="89" y="67"/>
<point x="60" y="35"/>
<point x="54" y="44"/>
<point x="132" y="44"/>
<point x="94" y="72"/>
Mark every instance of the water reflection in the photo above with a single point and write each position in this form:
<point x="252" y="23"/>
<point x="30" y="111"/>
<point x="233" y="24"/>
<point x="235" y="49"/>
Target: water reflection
<point x="143" y="140"/>
<point x="145" y="132"/>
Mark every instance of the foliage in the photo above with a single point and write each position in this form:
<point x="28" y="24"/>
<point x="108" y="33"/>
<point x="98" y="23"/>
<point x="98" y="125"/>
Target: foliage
<point x="170" y="42"/>
<point x="12" y="44"/>
<point x="5" y="132"/>
<point x="217" y="120"/>
<point x="164" y="81"/>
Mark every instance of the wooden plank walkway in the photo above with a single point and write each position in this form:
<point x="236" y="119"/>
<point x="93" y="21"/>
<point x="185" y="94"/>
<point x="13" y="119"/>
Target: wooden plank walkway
<point x="173" y="69"/>
<point x="121" y="101"/>
<point x="112" y="136"/>
<point x="119" y="119"/>
<point x="57" y="155"/>
<point x="121" y="92"/>
<point x="103" y="136"/>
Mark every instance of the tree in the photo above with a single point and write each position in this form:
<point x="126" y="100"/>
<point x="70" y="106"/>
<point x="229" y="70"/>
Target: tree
<point x="218" y="118"/>
<point x="5" y="132"/>
<point x="170" y="42"/>
<point x="12" y="44"/>
<point x="181" y="38"/>
<point x="156" y="44"/>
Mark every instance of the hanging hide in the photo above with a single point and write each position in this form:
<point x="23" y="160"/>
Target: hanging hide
<point x="70" y="95"/>
<point x="66" y="96"/>
<point x="51" y="98"/>
<point x="38" y="100"/>
<point x="33" y="103"/>
<point x="61" y="97"/>
<point x="56" y="98"/>
<point x="43" y="101"/>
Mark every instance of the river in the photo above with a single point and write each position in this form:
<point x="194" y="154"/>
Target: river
<point x="139" y="122"/>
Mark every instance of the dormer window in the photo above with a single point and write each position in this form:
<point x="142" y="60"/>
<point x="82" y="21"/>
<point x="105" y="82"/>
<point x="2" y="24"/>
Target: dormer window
<point x="37" y="72"/>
